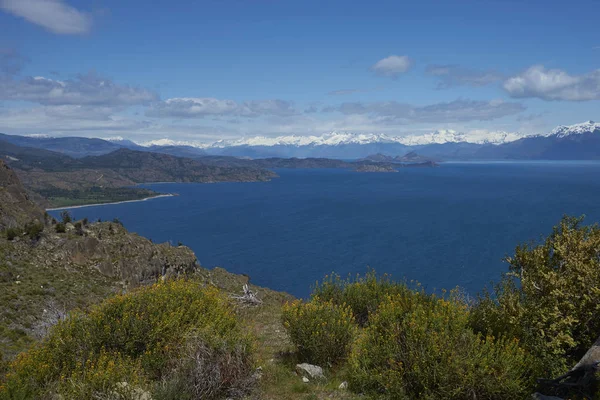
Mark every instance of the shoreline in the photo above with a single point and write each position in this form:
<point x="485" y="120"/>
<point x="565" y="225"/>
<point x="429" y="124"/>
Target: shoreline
<point x="109" y="203"/>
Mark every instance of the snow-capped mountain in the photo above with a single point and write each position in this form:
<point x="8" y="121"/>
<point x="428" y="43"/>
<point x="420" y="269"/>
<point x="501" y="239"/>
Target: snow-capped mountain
<point x="574" y="142"/>
<point x="451" y="136"/>
<point x="577" y="129"/>
<point x="347" y="138"/>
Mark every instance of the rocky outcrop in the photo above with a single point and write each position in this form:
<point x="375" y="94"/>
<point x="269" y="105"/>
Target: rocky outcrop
<point x="110" y="249"/>
<point x="16" y="205"/>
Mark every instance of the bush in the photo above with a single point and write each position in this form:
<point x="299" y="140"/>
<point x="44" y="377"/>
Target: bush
<point x="321" y="330"/>
<point x="200" y="371"/>
<point x="78" y="228"/>
<point x="424" y="349"/>
<point x="60" y="227"/>
<point x="145" y="332"/>
<point x="12" y="233"/>
<point x="66" y="217"/>
<point x="362" y="294"/>
<point x="550" y="299"/>
<point x="34" y="230"/>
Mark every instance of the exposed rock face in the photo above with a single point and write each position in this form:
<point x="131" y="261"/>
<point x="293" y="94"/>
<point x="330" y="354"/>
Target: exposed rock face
<point x="114" y="252"/>
<point x="16" y="205"/>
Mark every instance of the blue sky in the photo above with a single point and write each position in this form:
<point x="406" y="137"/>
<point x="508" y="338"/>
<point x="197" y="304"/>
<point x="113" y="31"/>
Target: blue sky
<point x="206" y="70"/>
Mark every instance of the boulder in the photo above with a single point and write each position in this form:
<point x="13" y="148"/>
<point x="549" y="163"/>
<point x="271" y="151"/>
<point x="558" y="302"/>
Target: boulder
<point x="310" y="371"/>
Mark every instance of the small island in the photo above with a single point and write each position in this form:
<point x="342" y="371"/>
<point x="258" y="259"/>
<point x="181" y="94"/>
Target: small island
<point x="375" y="168"/>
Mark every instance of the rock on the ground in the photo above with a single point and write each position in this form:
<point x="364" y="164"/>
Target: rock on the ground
<point x="305" y="379"/>
<point x="343" y="385"/>
<point x="310" y="371"/>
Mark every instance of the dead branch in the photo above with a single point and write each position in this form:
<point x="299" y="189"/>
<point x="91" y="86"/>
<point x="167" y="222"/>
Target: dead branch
<point x="249" y="297"/>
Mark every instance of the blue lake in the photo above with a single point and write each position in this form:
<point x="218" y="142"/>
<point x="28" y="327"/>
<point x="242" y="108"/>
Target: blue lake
<point x="443" y="226"/>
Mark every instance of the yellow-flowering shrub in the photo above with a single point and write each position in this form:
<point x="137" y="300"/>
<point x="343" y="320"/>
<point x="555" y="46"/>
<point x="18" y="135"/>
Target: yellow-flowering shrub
<point x="363" y="294"/>
<point x="321" y="330"/>
<point x="550" y="299"/>
<point x="143" y="332"/>
<point x="416" y="348"/>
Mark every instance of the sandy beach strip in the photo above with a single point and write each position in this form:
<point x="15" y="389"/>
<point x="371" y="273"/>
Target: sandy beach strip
<point x="108" y="204"/>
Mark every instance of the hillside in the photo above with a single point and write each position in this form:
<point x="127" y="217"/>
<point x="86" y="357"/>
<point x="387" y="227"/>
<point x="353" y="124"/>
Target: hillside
<point x="67" y="181"/>
<point x="46" y="273"/>
<point x="16" y="205"/>
<point x="142" y="167"/>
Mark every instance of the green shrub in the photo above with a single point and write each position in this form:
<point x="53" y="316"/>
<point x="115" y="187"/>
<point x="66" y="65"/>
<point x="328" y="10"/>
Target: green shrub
<point x="146" y="332"/>
<point x="60" y="227"/>
<point x="362" y="294"/>
<point x="424" y="349"/>
<point x="321" y="330"/>
<point x="550" y="299"/>
<point x="34" y="230"/>
<point x="12" y="233"/>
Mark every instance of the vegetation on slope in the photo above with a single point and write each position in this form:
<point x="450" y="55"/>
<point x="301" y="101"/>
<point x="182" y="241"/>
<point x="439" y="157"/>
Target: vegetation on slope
<point x="174" y="340"/>
<point x="109" y="177"/>
<point x="538" y="323"/>
<point x="181" y="338"/>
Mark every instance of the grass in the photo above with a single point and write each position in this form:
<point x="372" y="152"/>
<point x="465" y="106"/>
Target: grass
<point x="27" y="287"/>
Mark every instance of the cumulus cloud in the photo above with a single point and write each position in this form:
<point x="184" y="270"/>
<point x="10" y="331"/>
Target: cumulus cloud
<point x="554" y="84"/>
<point x="392" y="112"/>
<point x="54" y="15"/>
<point x="456" y="75"/>
<point x="193" y="107"/>
<point x="89" y="89"/>
<point x="392" y="66"/>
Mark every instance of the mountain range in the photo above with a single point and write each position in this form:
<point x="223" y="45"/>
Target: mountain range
<point x="574" y="142"/>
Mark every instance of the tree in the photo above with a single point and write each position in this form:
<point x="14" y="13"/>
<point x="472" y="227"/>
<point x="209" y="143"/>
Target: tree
<point x="66" y="217"/>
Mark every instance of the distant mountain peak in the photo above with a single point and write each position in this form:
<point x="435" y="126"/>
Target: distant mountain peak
<point x="576" y="129"/>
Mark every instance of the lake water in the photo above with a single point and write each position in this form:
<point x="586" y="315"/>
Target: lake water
<point x="443" y="226"/>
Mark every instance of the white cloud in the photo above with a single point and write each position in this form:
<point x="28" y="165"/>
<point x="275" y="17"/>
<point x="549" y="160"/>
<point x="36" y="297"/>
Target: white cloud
<point x="192" y="107"/>
<point x="54" y="15"/>
<point x="392" y="66"/>
<point x="392" y="112"/>
<point x="554" y="84"/>
<point x="52" y="119"/>
<point x="456" y="75"/>
<point x="89" y="89"/>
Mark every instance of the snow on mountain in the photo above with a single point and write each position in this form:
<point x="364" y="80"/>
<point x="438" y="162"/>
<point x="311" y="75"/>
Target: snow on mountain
<point x="576" y="129"/>
<point x="328" y="139"/>
<point x="347" y="138"/>
<point x="169" y="142"/>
